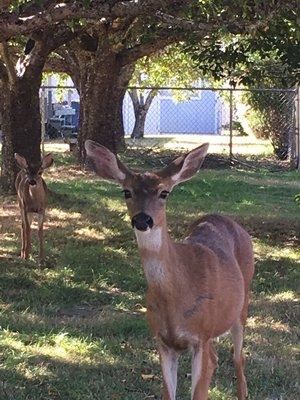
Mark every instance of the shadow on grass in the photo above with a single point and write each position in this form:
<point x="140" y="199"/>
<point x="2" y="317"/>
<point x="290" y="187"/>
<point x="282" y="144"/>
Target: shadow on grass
<point x="276" y="275"/>
<point x="76" y="381"/>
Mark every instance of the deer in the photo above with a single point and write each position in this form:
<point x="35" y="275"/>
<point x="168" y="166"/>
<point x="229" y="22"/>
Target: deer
<point x="32" y="196"/>
<point x="197" y="289"/>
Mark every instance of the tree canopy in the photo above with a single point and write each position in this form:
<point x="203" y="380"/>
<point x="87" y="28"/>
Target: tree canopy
<point x="99" y="42"/>
<point x="269" y="56"/>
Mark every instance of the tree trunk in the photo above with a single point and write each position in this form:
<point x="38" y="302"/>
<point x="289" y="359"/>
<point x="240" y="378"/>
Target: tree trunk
<point x="139" y="125"/>
<point x="21" y="126"/>
<point x="103" y="83"/>
<point x="141" y="108"/>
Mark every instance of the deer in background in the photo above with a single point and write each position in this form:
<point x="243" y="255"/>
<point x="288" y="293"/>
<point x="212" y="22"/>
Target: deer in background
<point x="32" y="199"/>
<point x="197" y="289"/>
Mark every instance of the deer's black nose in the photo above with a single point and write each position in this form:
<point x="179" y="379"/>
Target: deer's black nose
<point x="142" y="221"/>
<point x="32" y="182"/>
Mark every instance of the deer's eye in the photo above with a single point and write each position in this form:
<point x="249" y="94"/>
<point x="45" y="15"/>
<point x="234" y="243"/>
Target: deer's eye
<point x="127" y="194"/>
<point x="164" y="194"/>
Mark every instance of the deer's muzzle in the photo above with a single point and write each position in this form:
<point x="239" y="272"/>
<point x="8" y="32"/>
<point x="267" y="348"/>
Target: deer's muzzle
<point x="142" y="221"/>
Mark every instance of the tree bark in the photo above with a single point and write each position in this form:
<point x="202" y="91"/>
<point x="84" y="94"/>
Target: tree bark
<point x="141" y="108"/>
<point x="21" y="120"/>
<point x="21" y="126"/>
<point x="103" y="84"/>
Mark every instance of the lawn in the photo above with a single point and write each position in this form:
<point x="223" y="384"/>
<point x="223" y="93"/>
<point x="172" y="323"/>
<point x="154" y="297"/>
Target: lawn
<point x="76" y="330"/>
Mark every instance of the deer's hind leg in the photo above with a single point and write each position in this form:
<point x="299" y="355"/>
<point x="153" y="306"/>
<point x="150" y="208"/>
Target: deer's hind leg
<point x="237" y="332"/>
<point x="204" y="362"/>
<point x="41" y="217"/>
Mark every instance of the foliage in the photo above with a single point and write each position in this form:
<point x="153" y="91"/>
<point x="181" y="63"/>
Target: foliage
<point x="61" y="79"/>
<point x="253" y="58"/>
<point x="236" y="126"/>
<point x="270" y="58"/>
<point x="171" y="67"/>
<point x="157" y="71"/>
<point x="84" y="315"/>
<point x="271" y="116"/>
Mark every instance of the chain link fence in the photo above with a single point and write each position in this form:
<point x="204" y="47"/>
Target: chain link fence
<point x="241" y="124"/>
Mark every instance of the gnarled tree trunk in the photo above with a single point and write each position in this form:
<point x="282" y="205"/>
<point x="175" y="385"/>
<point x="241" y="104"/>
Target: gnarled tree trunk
<point x="102" y="87"/>
<point x="21" y="125"/>
<point x="21" y="120"/>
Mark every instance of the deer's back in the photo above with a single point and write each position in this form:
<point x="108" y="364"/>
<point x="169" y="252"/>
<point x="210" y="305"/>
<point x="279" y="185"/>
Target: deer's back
<point x="227" y="239"/>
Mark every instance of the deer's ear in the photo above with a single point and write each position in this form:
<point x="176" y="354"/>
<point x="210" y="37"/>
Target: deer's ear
<point x="47" y="161"/>
<point x="184" y="167"/>
<point x="105" y="163"/>
<point x="21" y="161"/>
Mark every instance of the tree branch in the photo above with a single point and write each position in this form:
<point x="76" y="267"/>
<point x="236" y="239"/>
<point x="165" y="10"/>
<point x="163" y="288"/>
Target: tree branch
<point x="45" y="42"/>
<point x="57" y="65"/>
<point x="16" y="23"/>
<point x="3" y="72"/>
<point x="150" y="98"/>
<point x="132" y="54"/>
<point x="11" y="72"/>
<point x="242" y="25"/>
<point x="69" y="57"/>
<point x="134" y="98"/>
<point x="4" y="4"/>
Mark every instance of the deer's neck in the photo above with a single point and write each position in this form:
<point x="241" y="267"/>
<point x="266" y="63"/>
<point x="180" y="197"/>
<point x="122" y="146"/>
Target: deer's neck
<point x="37" y="190"/>
<point x="155" y="249"/>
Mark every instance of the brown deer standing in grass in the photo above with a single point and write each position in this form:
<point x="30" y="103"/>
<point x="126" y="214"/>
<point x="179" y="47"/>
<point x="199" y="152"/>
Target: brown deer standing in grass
<point x="32" y="199"/>
<point x="197" y="289"/>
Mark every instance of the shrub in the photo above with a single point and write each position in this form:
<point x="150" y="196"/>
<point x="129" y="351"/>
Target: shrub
<point x="271" y="117"/>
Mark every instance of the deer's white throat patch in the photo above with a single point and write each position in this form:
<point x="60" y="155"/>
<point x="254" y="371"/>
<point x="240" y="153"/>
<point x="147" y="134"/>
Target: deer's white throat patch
<point x="151" y="239"/>
<point x="154" y="270"/>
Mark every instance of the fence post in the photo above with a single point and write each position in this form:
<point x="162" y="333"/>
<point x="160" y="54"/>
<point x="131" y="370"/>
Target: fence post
<point x="230" y="126"/>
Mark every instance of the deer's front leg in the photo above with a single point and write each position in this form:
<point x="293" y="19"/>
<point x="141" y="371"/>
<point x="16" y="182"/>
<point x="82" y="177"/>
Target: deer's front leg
<point x="23" y="238"/>
<point x="169" y="366"/>
<point x="41" y="217"/>
<point x="25" y="234"/>
<point x="204" y="362"/>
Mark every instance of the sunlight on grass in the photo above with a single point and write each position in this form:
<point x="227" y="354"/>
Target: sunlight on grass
<point x="284" y="296"/>
<point x="218" y="144"/>
<point x="216" y="394"/>
<point x="62" y="215"/>
<point x="56" y="147"/>
<point x="91" y="233"/>
<point x="258" y="322"/>
<point x="59" y="346"/>
<point x="264" y="250"/>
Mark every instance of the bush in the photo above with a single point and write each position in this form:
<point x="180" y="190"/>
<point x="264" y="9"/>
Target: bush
<point x="236" y="127"/>
<point x="271" y="117"/>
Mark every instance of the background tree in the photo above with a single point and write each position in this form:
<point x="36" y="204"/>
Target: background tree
<point x="170" y="67"/>
<point x="268" y="59"/>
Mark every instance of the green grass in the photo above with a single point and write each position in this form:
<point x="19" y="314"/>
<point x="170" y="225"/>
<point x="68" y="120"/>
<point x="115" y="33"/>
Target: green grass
<point x="76" y="330"/>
